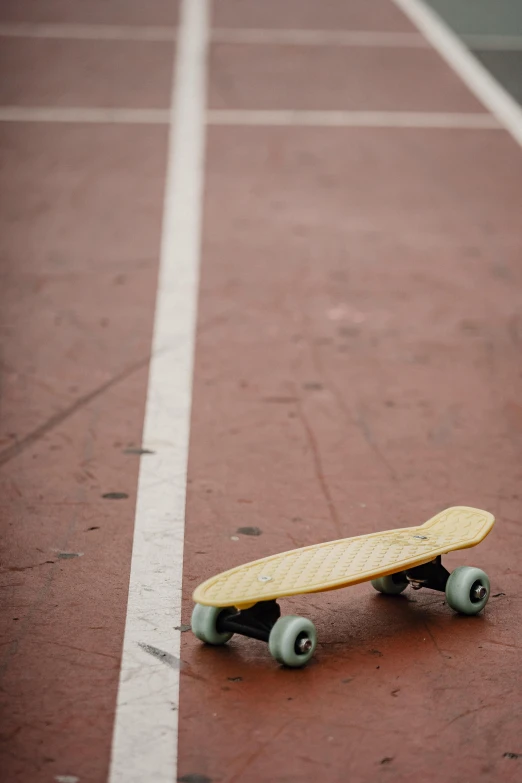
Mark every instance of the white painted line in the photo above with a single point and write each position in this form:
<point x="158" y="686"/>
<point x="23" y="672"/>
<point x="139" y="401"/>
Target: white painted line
<point x="326" y="119"/>
<point x="81" y="115"/>
<point x="362" y="38"/>
<point x="144" y="744"/>
<point x="352" y="119"/>
<point x="318" y="37"/>
<point x="98" y="32"/>
<point x="87" y="32"/>
<point x="512" y="43"/>
<point x="456" y="54"/>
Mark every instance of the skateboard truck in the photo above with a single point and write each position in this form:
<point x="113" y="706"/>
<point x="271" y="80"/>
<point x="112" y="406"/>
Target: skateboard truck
<point x="432" y="575"/>
<point x="258" y="623"/>
<point x="255" y="622"/>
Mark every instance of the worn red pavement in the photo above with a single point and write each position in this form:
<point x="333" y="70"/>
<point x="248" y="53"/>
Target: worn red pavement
<point x="358" y="367"/>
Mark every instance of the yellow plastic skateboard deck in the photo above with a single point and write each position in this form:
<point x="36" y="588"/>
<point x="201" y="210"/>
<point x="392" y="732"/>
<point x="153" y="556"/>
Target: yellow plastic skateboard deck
<point x="349" y="561"/>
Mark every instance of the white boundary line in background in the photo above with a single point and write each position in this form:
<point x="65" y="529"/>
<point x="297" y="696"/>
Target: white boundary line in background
<point x="103" y="32"/>
<point x="351" y="119"/>
<point x="158" y="34"/>
<point x="493" y="42"/>
<point x="144" y="746"/>
<point x="318" y="37"/>
<point x="254" y="117"/>
<point x="78" y="114"/>
<point x="472" y="73"/>
<point x="87" y="32"/>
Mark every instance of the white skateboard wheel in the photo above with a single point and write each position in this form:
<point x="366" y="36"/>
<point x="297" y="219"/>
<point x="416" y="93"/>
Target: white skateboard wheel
<point x="293" y="641"/>
<point x="390" y="585"/>
<point x="467" y="590"/>
<point x="204" y="624"/>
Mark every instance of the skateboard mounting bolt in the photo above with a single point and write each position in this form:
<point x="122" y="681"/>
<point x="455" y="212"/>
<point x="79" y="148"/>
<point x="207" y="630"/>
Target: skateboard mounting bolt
<point x="304" y="645"/>
<point x="264" y="578"/>
<point x="423" y="538"/>
<point x="479" y="592"/>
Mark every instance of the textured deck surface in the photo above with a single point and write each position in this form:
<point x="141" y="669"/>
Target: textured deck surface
<point x="348" y="561"/>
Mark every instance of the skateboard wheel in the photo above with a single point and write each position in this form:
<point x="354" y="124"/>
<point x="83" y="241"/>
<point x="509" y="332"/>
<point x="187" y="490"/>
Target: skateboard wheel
<point x="204" y="624"/>
<point x="467" y="590"/>
<point x="390" y="585"/>
<point x="292" y="641"/>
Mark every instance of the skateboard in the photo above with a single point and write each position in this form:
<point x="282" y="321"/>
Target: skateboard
<point x="243" y="600"/>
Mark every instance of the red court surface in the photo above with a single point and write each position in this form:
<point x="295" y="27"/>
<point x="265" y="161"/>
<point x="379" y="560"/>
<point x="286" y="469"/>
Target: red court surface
<point x="357" y="367"/>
